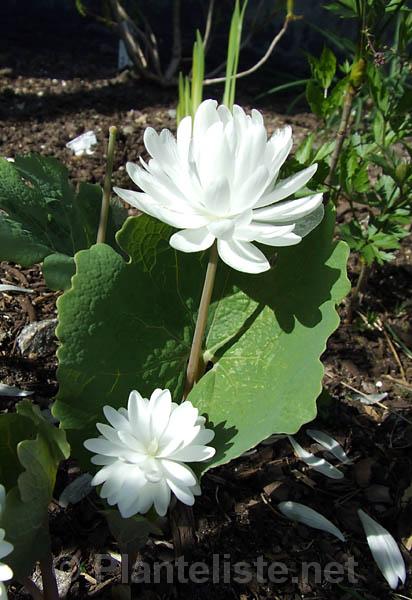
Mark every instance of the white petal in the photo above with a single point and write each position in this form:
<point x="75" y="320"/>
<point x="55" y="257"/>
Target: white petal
<point x="99" y="459"/>
<point x="184" y="135"/>
<point x="251" y="150"/>
<point x="277" y="150"/>
<point x="160" y="408"/>
<point x="182" y="493"/>
<point x="303" y="514"/>
<point x="205" y="436"/>
<point x="133" y="409"/>
<point x="192" y="240"/>
<point x="251" y="189"/>
<point x="5" y="548"/>
<point x="162" y="147"/>
<point x="159" y="187"/>
<point x="181" y="474"/>
<point x="102" y="446"/>
<point x="317" y="464"/>
<point x="308" y="223"/>
<point x="290" y="211"/>
<point x="288" y="186"/>
<point x="115" y="419"/>
<point x="243" y="256"/>
<point x="385" y="550"/>
<point x="217" y="197"/>
<point x="148" y="205"/>
<point x="224" y="114"/>
<point x="222" y="229"/>
<point x="182" y="419"/>
<point x="215" y="159"/>
<point x="108" y="432"/>
<point x="287" y="239"/>
<point x="162" y="498"/>
<point x="206" y="115"/>
<point x="145" y="500"/>
<point x="14" y="288"/>
<point x="261" y="231"/>
<point x="257" y="117"/>
<point x="193" y="453"/>
<point x="5" y="573"/>
<point x="132" y="443"/>
<point x="141" y="419"/>
<point x="3" y="591"/>
<point x="130" y="490"/>
<point x="329" y="443"/>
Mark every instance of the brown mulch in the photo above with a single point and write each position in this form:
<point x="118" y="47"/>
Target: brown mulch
<point x="46" y="100"/>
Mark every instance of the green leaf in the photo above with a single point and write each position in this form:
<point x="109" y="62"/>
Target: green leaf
<point x="267" y="376"/>
<point x="45" y="215"/>
<point x="324" y="68"/>
<point x="13" y="429"/>
<point x="315" y="98"/>
<point x="129" y="325"/>
<point x="25" y="517"/>
<point x="233" y="52"/>
<point x="126" y="531"/>
<point x="304" y="150"/>
<point x="58" y="270"/>
<point x="198" y="72"/>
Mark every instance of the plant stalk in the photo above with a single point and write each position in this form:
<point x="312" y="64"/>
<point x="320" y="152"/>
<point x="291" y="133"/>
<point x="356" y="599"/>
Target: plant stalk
<point x="107" y="187"/>
<point x="195" y="365"/>
<point x="341" y="133"/>
<point x="50" y="589"/>
<point x="32" y="588"/>
<point x="360" y="285"/>
<point x="181" y="516"/>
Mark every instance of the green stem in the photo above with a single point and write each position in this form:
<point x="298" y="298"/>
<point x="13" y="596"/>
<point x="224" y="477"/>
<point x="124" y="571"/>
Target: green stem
<point x="50" y="589"/>
<point x="341" y="133"/>
<point x="194" y="367"/>
<point x="360" y="284"/>
<point x="107" y="187"/>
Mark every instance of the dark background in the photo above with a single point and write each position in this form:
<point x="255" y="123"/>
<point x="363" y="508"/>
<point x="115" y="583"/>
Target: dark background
<point x="36" y="25"/>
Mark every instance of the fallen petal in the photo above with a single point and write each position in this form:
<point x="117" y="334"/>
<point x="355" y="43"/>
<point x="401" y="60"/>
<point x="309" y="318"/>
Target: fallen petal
<point x="330" y="444"/>
<point x="370" y="398"/>
<point x="318" y="464"/>
<point x="385" y="550"/>
<point x="14" y="288"/>
<point x="14" y="392"/>
<point x="303" y="514"/>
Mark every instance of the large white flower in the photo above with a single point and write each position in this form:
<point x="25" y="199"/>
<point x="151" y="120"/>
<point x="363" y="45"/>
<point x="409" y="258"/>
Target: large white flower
<point x="5" y="549"/>
<point x="219" y="180"/>
<point x="143" y="452"/>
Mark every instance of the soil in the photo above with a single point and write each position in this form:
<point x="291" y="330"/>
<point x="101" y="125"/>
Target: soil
<point x="46" y="99"/>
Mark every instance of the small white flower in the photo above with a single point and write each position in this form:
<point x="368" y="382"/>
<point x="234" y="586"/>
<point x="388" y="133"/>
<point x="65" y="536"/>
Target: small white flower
<point x="384" y="550"/>
<point x="220" y="182"/>
<point x="5" y="549"/>
<point x="143" y="452"/>
<point x="83" y="143"/>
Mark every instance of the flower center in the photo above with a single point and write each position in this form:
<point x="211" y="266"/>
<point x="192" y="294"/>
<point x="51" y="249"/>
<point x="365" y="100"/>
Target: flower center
<point x="152" y="448"/>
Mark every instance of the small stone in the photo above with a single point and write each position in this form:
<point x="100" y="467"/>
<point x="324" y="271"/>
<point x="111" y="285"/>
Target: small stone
<point x="128" y="130"/>
<point x="37" y="338"/>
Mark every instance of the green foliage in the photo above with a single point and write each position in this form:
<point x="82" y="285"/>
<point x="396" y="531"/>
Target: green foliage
<point x="129" y="325"/>
<point x="373" y="172"/>
<point x="233" y="51"/>
<point x="190" y="93"/>
<point x="324" y="68"/>
<point x="29" y="462"/>
<point x="44" y="215"/>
